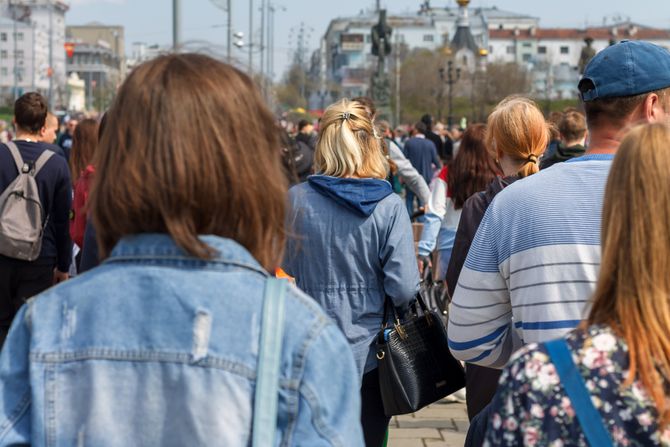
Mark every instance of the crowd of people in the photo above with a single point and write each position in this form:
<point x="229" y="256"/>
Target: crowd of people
<point x="137" y="263"/>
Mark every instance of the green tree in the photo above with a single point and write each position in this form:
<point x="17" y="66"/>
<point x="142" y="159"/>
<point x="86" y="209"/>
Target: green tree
<point x="294" y="89"/>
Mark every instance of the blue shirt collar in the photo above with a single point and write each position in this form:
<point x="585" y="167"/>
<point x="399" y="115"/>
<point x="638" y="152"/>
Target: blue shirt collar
<point x="592" y="157"/>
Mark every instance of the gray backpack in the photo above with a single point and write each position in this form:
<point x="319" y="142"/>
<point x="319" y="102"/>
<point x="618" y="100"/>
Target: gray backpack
<point x="22" y="218"/>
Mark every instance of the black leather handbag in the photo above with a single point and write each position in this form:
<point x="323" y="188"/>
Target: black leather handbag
<point x="415" y="365"/>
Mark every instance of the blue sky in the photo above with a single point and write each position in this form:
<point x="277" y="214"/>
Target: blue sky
<point x="150" y="21"/>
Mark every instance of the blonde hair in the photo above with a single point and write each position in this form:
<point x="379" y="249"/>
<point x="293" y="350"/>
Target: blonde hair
<point x="633" y="291"/>
<point x="517" y="128"/>
<point x="348" y="145"/>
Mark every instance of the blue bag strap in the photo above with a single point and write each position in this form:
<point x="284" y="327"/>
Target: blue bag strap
<point x="269" y="359"/>
<point x="590" y="420"/>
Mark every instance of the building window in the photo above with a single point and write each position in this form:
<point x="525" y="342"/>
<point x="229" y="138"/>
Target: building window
<point x="428" y="37"/>
<point x="3" y="37"/>
<point x="526" y="44"/>
<point x="3" y="71"/>
<point x="18" y="54"/>
<point x="510" y="49"/>
<point x="19" y="36"/>
<point x="565" y="50"/>
<point x="368" y="38"/>
<point x="525" y="57"/>
<point x="3" y="54"/>
<point x="542" y="50"/>
<point x="490" y="49"/>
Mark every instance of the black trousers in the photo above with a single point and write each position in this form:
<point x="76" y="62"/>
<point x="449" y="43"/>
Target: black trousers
<point x="20" y="280"/>
<point x="373" y="420"/>
<point x="481" y="384"/>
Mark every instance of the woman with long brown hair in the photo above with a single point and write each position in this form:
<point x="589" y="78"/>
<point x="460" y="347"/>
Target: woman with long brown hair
<point x="619" y="358"/>
<point x="471" y="170"/>
<point x="84" y="143"/>
<point x="166" y="342"/>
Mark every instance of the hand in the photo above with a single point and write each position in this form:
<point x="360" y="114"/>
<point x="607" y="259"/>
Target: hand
<point x="424" y="261"/>
<point x="60" y="276"/>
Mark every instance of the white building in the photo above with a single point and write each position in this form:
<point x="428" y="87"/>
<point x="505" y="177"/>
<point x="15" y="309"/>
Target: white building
<point x="16" y="57"/>
<point x="345" y="56"/>
<point x="553" y="54"/>
<point x="550" y="54"/>
<point x="36" y="52"/>
<point x="142" y="52"/>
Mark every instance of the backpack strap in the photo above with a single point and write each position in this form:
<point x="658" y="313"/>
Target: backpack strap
<point x="41" y="161"/>
<point x="16" y="155"/>
<point x="589" y="418"/>
<point x="269" y="360"/>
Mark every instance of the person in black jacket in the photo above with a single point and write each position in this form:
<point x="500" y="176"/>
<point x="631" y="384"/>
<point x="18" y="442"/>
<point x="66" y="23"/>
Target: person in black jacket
<point x="19" y="280"/>
<point x="444" y="147"/>
<point x="306" y="134"/>
<point x="572" y="128"/>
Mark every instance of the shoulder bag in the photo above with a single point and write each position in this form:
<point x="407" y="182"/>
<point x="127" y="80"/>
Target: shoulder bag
<point x="269" y="360"/>
<point x="416" y="367"/>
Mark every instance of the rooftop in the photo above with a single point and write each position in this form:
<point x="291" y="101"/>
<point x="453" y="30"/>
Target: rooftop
<point x="619" y="31"/>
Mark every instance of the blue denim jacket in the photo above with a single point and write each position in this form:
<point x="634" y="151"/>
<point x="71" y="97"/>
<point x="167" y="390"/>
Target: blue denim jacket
<point x="158" y="348"/>
<point x="349" y="254"/>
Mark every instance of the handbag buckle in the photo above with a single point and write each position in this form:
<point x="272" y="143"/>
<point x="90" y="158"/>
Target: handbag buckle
<point x="380" y="355"/>
<point x="399" y="330"/>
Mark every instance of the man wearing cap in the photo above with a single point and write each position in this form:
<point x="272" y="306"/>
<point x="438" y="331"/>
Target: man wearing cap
<point x="534" y="262"/>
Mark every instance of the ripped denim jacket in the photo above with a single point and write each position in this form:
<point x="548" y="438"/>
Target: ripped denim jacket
<point x="155" y="347"/>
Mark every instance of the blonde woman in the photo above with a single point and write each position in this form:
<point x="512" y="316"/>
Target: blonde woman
<point x="353" y="243"/>
<point x="622" y="351"/>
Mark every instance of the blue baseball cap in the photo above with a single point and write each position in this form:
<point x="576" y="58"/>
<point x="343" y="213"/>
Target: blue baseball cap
<point x="630" y="67"/>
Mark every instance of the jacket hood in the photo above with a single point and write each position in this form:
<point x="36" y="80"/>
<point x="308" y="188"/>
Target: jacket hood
<point x="360" y="195"/>
<point x="566" y="153"/>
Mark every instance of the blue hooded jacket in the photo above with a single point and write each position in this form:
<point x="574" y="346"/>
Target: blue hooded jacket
<point x="350" y="245"/>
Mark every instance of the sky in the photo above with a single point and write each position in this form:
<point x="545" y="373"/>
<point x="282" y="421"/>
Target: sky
<point x="204" y="22"/>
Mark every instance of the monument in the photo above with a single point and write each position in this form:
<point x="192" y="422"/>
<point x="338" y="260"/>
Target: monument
<point x="587" y="54"/>
<point x="380" y="85"/>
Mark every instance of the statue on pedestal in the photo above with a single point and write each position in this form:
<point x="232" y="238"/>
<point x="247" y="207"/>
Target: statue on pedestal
<point x="380" y="87"/>
<point x="587" y="54"/>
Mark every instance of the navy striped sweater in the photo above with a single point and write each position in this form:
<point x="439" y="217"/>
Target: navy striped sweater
<point x="533" y="263"/>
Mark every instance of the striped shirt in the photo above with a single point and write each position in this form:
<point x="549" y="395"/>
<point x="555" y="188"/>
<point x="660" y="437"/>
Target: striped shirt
<point x="533" y="264"/>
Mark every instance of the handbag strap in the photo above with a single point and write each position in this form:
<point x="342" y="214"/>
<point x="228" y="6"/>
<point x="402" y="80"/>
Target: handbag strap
<point x="592" y="423"/>
<point x="269" y="359"/>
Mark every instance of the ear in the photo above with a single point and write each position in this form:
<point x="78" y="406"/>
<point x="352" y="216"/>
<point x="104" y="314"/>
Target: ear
<point x="652" y="109"/>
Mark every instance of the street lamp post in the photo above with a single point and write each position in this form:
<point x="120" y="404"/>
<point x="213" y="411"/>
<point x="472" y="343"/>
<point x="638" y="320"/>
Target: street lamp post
<point x="451" y="80"/>
<point x="176" y="24"/>
<point x="230" y="30"/>
<point x="251" y="36"/>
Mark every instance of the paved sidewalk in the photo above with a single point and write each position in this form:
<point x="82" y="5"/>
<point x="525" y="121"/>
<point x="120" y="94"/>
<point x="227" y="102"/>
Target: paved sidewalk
<point x="443" y="424"/>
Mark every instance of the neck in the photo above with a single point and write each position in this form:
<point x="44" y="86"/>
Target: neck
<point x="23" y="135"/>
<point x="604" y="141"/>
<point x="572" y="143"/>
<point x="509" y="166"/>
